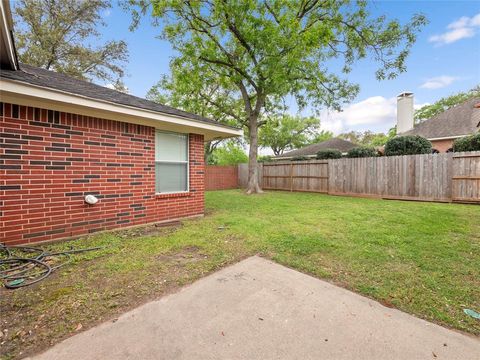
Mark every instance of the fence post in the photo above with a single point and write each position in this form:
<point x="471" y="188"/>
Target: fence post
<point x="328" y="176"/>
<point x="261" y="166"/>
<point x="291" y="177"/>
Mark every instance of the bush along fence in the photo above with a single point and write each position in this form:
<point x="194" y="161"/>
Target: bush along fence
<point x="451" y="177"/>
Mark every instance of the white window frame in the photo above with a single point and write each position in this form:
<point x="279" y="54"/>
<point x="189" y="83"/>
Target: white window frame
<point x="173" y="162"/>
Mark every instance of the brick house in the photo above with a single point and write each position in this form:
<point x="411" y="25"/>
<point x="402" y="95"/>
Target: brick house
<point x="442" y="129"/>
<point x="62" y="139"/>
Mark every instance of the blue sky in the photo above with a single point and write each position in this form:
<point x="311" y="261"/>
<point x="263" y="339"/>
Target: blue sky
<point x="444" y="60"/>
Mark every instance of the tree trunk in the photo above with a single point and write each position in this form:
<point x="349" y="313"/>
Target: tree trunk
<point x="253" y="186"/>
<point x="208" y="150"/>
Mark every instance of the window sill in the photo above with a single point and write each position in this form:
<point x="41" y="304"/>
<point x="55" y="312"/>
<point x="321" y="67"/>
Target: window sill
<point x="173" y="195"/>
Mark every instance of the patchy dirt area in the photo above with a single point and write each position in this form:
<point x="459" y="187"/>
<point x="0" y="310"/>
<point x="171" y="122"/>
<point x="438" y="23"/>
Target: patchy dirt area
<point x="137" y="265"/>
<point x="188" y="254"/>
<point x="148" y="230"/>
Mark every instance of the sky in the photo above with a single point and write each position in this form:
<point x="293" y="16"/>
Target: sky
<point x="444" y="60"/>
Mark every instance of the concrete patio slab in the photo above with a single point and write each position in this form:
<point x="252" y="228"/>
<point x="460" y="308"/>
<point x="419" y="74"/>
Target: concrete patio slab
<point x="257" y="309"/>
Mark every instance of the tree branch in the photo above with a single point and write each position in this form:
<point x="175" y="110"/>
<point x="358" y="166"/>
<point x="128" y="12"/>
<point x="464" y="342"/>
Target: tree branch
<point x="221" y="108"/>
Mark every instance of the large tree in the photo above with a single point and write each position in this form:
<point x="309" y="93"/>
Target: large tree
<point x="195" y="95"/>
<point x="428" y="111"/>
<point x="271" y="50"/>
<point x="55" y="34"/>
<point x="287" y="132"/>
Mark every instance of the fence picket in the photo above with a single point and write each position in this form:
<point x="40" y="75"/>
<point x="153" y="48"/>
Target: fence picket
<point x="430" y="177"/>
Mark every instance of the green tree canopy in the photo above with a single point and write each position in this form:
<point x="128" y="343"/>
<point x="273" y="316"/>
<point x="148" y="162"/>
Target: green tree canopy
<point x="428" y="111"/>
<point x="367" y="138"/>
<point x="54" y="34"/>
<point x="273" y="49"/>
<point x="287" y="132"/>
<point x="321" y="136"/>
<point x="193" y="94"/>
<point x="229" y="153"/>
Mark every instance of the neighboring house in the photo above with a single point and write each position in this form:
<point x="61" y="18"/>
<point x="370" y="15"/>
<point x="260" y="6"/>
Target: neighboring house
<point x="442" y="129"/>
<point x="62" y="139"/>
<point x="311" y="150"/>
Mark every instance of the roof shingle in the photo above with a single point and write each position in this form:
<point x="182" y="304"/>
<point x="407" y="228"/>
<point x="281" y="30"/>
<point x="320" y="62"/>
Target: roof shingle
<point x="310" y="150"/>
<point x="463" y="119"/>
<point x="57" y="81"/>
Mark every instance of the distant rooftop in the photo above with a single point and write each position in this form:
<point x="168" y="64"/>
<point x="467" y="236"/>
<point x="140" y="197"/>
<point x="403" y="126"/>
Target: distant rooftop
<point x="463" y="119"/>
<point x="311" y="150"/>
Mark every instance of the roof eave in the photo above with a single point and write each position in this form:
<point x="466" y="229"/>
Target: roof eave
<point x="446" y="137"/>
<point x="22" y="93"/>
<point x="7" y="47"/>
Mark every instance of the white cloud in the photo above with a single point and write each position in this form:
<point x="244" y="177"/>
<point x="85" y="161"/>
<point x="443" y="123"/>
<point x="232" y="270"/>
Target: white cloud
<point x="452" y="36"/>
<point x="374" y="110"/>
<point x="125" y="89"/>
<point x="475" y="21"/>
<point x="462" y="28"/>
<point x="460" y="23"/>
<point x="330" y="124"/>
<point x="375" y="113"/>
<point x="438" y="82"/>
<point x="419" y="106"/>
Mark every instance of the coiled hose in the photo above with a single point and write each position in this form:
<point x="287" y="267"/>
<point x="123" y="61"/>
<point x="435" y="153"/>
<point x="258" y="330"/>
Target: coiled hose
<point x="26" y="265"/>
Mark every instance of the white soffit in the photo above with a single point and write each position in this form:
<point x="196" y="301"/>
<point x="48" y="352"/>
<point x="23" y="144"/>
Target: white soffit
<point x="36" y="96"/>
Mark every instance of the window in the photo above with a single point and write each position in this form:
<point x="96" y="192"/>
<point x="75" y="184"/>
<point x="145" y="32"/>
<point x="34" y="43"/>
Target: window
<point x="171" y="162"/>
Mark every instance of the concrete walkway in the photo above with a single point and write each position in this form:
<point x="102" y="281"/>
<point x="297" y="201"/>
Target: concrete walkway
<point x="257" y="309"/>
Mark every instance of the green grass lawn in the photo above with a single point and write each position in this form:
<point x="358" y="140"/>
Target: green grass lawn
<point x="423" y="258"/>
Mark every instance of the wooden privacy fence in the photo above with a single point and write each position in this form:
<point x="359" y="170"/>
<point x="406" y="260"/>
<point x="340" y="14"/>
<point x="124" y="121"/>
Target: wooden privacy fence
<point x="466" y="177"/>
<point x="243" y="175"/>
<point x="311" y="176"/>
<point x="221" y="177"/>
<point x="432" y="177"/>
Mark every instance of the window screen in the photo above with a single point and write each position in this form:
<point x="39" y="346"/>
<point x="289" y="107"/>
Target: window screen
<point x="171" y="162"/>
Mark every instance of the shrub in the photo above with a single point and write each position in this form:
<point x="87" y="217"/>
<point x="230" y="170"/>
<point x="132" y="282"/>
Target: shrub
<point x="361" y="152"/>
<point x="408" y="145"/>
<point x="264" y="158"/>
<point x="329" y="154"/>
<point x="467" y="143"/>
<point x="299" y="158"/>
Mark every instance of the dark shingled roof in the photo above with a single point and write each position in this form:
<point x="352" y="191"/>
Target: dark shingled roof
<point x="56" y="81"/>
<point x="335" y="143"/>
<point x="463" y="119"/>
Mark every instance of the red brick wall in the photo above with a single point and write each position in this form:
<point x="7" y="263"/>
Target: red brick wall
<point x="50" y="160"/>
<point x="221" y="177"/>
<point x="442" y="145"/>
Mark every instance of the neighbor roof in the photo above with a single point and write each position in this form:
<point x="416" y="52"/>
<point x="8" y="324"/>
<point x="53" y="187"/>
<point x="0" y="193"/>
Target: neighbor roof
<point x="463" y="119"/>
<point x="57" y="81"/>
<point x="8" y="55"/>
<point x="310" y="150"/>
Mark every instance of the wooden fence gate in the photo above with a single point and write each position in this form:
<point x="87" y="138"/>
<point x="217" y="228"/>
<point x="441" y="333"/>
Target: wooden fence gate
<point x="296" y="176"/>
<point x="466" y="178"/>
